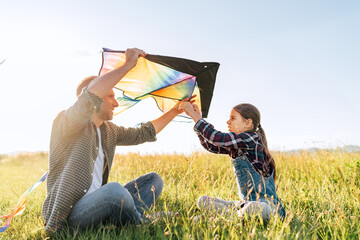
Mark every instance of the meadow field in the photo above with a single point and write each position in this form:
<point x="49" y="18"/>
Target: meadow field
<point x="320" y="191"/>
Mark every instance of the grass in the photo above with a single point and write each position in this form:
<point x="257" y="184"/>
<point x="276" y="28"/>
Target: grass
<point x="320" y="191"/>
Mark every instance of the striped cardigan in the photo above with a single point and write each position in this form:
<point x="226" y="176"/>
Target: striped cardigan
<point x="73" y="151"/>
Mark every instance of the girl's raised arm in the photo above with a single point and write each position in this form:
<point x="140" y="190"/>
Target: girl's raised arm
<point x="246" y="140"/>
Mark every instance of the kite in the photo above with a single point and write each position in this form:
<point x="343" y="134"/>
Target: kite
<point x="165" y="79"/>
<point x="21" y="205"/>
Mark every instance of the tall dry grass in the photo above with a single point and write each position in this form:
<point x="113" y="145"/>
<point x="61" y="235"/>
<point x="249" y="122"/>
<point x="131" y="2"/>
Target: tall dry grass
<point x="320" y="192"/>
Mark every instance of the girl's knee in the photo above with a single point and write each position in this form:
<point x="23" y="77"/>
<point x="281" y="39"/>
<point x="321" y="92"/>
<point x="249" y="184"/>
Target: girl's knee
<point x="256" y="208"/>
<point x="203" y="201"/>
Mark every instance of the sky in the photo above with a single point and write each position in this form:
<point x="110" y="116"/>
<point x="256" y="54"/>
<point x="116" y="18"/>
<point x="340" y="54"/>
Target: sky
<point x="296" y="61"/>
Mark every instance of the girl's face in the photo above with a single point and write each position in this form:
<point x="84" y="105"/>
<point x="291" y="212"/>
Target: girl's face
<point x="237" y="124"/>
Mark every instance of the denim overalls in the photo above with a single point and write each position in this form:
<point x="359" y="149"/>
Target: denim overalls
<point x="254" y="187"/>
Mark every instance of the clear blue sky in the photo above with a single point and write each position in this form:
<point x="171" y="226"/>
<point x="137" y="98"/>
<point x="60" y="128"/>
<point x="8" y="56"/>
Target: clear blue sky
<point x="297" y="61"/>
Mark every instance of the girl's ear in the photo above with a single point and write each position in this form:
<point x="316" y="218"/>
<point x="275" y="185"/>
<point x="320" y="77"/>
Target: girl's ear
<point x="249" y="123"/>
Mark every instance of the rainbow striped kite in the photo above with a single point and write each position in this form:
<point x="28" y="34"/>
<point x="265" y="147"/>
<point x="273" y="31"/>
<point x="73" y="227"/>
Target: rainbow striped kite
<point x="166" y="79"/>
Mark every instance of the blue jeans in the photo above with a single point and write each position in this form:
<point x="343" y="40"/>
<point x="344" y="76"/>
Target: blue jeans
<point x="254" y="187"/>
<point x="257" y="193"/>
<point x="117" y="204"/>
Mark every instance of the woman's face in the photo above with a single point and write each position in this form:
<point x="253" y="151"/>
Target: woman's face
<point x="237" y="124"/>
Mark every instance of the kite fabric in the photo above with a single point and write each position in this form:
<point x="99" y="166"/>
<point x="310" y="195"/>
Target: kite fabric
<point x="165" y="79"/>
<point x="21" y="205"/>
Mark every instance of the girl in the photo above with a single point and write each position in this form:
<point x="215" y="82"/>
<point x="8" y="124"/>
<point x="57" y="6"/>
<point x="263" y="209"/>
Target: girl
<point x="253" y="165"/>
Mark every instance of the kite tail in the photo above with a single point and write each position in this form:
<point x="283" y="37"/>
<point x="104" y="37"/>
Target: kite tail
<point x="21" y="205"/>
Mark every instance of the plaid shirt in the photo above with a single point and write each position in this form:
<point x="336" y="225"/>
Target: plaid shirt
<point x="74" y="146"/>
<point x="248" y="143"/>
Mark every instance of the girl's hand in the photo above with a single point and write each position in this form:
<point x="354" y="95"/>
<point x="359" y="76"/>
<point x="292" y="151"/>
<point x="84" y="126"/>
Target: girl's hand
<point x="178" y="106"/>
<point x="197" y="109"/>
<point x="186" y="107"/>
<point x="192" y="110"/>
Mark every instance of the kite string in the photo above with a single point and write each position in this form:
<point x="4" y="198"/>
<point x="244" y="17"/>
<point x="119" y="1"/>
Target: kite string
<point x="182" y="121"/>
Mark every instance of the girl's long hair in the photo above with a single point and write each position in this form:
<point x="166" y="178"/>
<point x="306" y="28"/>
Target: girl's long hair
<point x="249" y="111"/>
